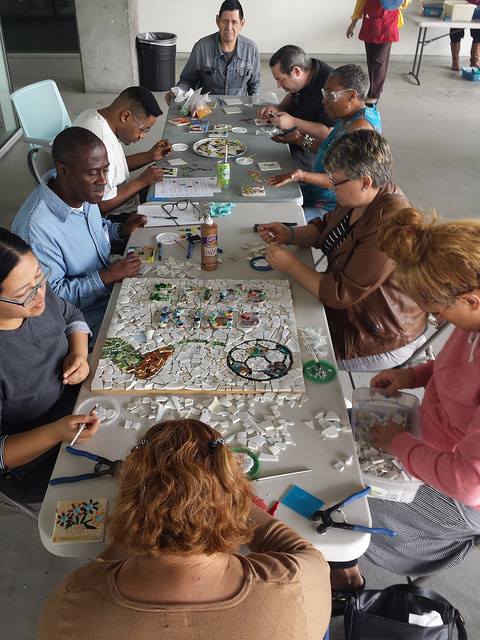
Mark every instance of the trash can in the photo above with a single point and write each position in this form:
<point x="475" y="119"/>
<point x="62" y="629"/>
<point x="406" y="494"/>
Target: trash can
<point x="156" y="59"/>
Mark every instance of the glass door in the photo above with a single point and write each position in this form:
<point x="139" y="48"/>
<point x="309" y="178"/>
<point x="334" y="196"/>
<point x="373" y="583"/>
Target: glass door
<point x="8" y="121"/>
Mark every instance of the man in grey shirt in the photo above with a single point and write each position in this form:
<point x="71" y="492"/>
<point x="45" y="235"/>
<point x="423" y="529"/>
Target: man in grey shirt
<point x="223" y="63"/>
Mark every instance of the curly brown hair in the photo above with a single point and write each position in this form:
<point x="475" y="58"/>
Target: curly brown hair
<point x="436" y="260"/>
<point x="178" y="494"/>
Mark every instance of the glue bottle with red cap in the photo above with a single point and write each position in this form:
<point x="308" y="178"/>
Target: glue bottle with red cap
<point x="208" y="233"/>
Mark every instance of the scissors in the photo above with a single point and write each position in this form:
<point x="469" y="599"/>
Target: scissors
<point x="103" y="467"/>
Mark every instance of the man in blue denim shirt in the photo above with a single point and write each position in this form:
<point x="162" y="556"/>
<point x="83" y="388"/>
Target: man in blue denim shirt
<point x="223" y="63"/>
<point x="61" y="221"/>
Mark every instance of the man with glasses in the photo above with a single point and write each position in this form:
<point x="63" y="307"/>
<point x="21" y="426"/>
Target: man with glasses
<point x="223" y="63"/>
<point x="61" y="222"/>
<point x="126" y="121"/>
<point x="302" y="109"/>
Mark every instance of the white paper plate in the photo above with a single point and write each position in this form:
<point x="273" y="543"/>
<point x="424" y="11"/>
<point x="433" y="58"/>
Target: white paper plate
<point x="179" y="146"/>
<point x="239" y="130"/>
<point x="167" y="237"/>
<point x="215" y="148"/>
<point x="244" y="161"/>
<point x="105" y="404"/>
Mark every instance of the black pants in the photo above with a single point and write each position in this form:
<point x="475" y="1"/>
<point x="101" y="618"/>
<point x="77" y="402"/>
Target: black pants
<point x="457" y="34"/>
<point x="378" y="56"/>
<point x="29" y="482"/>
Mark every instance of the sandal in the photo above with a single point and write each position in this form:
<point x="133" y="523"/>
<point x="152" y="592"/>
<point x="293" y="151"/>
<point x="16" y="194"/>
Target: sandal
<point x="340" y="597"/>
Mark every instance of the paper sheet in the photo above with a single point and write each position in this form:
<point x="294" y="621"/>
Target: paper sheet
<point x="203" y="187"/>
<point x="156" y="216"/>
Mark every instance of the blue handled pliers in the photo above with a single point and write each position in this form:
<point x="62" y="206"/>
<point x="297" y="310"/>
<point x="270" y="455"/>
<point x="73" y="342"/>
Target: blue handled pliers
<point x="325" y="517"/>
<point x="103" y="467"/>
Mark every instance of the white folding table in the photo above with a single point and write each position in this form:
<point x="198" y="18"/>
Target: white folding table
<point x="311" y="450"/>
<point x="423" y="23"/>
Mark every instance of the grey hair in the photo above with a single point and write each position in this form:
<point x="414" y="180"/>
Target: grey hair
<point x="361" y="153"/>
<point x="291" y="56"/>
<point x="354" y="77"/>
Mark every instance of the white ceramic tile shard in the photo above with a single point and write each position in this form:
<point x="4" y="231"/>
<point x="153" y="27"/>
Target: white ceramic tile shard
<point x="193" y="318"/>
<point x="371" y="460"/>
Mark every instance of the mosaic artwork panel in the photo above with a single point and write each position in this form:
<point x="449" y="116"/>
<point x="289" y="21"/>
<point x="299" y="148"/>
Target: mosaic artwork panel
<point x="174" y="336"/>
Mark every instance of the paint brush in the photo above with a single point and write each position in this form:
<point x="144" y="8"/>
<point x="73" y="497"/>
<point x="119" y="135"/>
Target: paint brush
<point x="82" y="426"/>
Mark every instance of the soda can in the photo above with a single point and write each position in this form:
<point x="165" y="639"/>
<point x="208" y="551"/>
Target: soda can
<point x="223" y="174"/>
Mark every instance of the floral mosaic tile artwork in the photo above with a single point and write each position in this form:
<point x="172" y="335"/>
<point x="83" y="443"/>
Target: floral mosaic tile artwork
<point x="174" y="336"/>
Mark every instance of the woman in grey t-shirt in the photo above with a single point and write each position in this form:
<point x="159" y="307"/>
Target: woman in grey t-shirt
<point x="44" y="347"/>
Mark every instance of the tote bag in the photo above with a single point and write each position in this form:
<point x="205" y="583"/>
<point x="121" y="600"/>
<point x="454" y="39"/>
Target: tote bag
<point x="381" y="614"/>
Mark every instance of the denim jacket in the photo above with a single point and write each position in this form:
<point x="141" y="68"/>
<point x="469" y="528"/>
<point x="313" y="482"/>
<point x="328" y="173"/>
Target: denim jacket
<point x="74" y="244"/>
<point x="207" y="67"/>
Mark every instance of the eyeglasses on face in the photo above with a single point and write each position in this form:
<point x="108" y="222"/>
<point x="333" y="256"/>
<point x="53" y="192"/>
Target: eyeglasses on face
<point x="336" y="184"/>
<point x="140" y="126"/>
<point x="26" y="301"/>
<point x="333" y="96"/>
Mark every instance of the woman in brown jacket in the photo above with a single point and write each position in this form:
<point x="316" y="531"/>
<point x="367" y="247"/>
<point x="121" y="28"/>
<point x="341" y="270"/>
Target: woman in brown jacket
<point x="372" y="323"/>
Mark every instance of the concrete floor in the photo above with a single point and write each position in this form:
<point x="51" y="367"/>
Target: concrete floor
<point x="434" y="131"/>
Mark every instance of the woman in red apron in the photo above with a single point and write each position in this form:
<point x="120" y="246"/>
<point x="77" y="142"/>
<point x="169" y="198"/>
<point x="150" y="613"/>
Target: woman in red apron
<point x="380" y="27"/>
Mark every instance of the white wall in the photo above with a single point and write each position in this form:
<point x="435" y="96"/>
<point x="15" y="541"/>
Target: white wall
<point x="316" y="25"/>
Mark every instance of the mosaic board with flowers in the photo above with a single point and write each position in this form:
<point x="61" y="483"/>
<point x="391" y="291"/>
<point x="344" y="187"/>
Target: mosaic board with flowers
<point x="201" y="336"/>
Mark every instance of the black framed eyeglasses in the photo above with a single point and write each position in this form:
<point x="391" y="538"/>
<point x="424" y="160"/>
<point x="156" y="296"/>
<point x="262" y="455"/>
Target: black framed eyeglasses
<point x="24" y="303"/>
<point x="336" y="184"/>
<point x="179" y="205"/>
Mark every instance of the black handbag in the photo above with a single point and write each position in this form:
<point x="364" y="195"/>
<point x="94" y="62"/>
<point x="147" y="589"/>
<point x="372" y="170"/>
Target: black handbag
<point x="383" y="615"/>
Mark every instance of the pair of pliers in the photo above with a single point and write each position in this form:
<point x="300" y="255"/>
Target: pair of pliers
<point x="103" y="467"/>
<point x="324" y="516"/>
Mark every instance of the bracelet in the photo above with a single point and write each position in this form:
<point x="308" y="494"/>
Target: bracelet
<point x="308" y="142"/>
<point x="290" y="240"/>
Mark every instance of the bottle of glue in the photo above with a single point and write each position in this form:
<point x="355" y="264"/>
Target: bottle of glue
<point x="208" y="232"/>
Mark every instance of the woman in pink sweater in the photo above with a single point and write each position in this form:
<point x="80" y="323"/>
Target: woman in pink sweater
<point x="438" y="265"/>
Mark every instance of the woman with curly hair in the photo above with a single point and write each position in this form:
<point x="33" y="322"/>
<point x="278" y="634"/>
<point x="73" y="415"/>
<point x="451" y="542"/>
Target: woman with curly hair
<point x="184" y="508"/>
<point x="438" y="265"/>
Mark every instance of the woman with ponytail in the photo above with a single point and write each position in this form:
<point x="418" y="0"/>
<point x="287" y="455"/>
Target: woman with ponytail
<point x="438" y="265"/>
<point x="183" y="509"/>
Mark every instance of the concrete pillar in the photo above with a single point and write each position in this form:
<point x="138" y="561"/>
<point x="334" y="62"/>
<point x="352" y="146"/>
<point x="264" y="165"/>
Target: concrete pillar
<point x="106" y="31"/>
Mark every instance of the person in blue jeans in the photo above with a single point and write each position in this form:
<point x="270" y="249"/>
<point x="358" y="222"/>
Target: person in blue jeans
<point x="61" y="221"/>
<point x="344" y="96"/>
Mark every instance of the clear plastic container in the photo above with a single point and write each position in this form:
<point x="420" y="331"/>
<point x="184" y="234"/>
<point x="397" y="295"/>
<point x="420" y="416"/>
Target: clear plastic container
<point x="404" y="487"/>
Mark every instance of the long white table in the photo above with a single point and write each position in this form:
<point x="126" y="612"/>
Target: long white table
<point x="423" y="25"/>
<point x="311" y="450"/>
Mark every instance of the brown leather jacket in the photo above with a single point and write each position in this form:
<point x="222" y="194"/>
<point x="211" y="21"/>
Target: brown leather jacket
<point x="367" y="313"/>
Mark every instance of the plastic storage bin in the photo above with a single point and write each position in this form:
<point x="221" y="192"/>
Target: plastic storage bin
<point x="432" y="8"/>
<point x="458" y="10"/>
<point x="156" y="59"/>
<point x="471" y="73"/>
<point x="406" y="404"/>
<point x="433" y="11"/>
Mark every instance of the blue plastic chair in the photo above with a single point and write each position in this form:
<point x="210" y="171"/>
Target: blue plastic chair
<point x="41" y="112"/>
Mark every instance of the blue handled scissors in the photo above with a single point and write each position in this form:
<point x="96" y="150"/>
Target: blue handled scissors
<point x="103" y="467"/>
<point x="324" y="516"/>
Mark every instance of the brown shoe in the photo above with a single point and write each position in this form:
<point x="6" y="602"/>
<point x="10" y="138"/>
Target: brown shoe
<point x="455" y="49"/>
<point x="475" y="55"/>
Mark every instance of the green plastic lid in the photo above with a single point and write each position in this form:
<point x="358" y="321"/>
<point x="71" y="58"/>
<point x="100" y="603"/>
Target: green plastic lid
<point x="251" y="474"/>
<point x="319" y="371"/>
